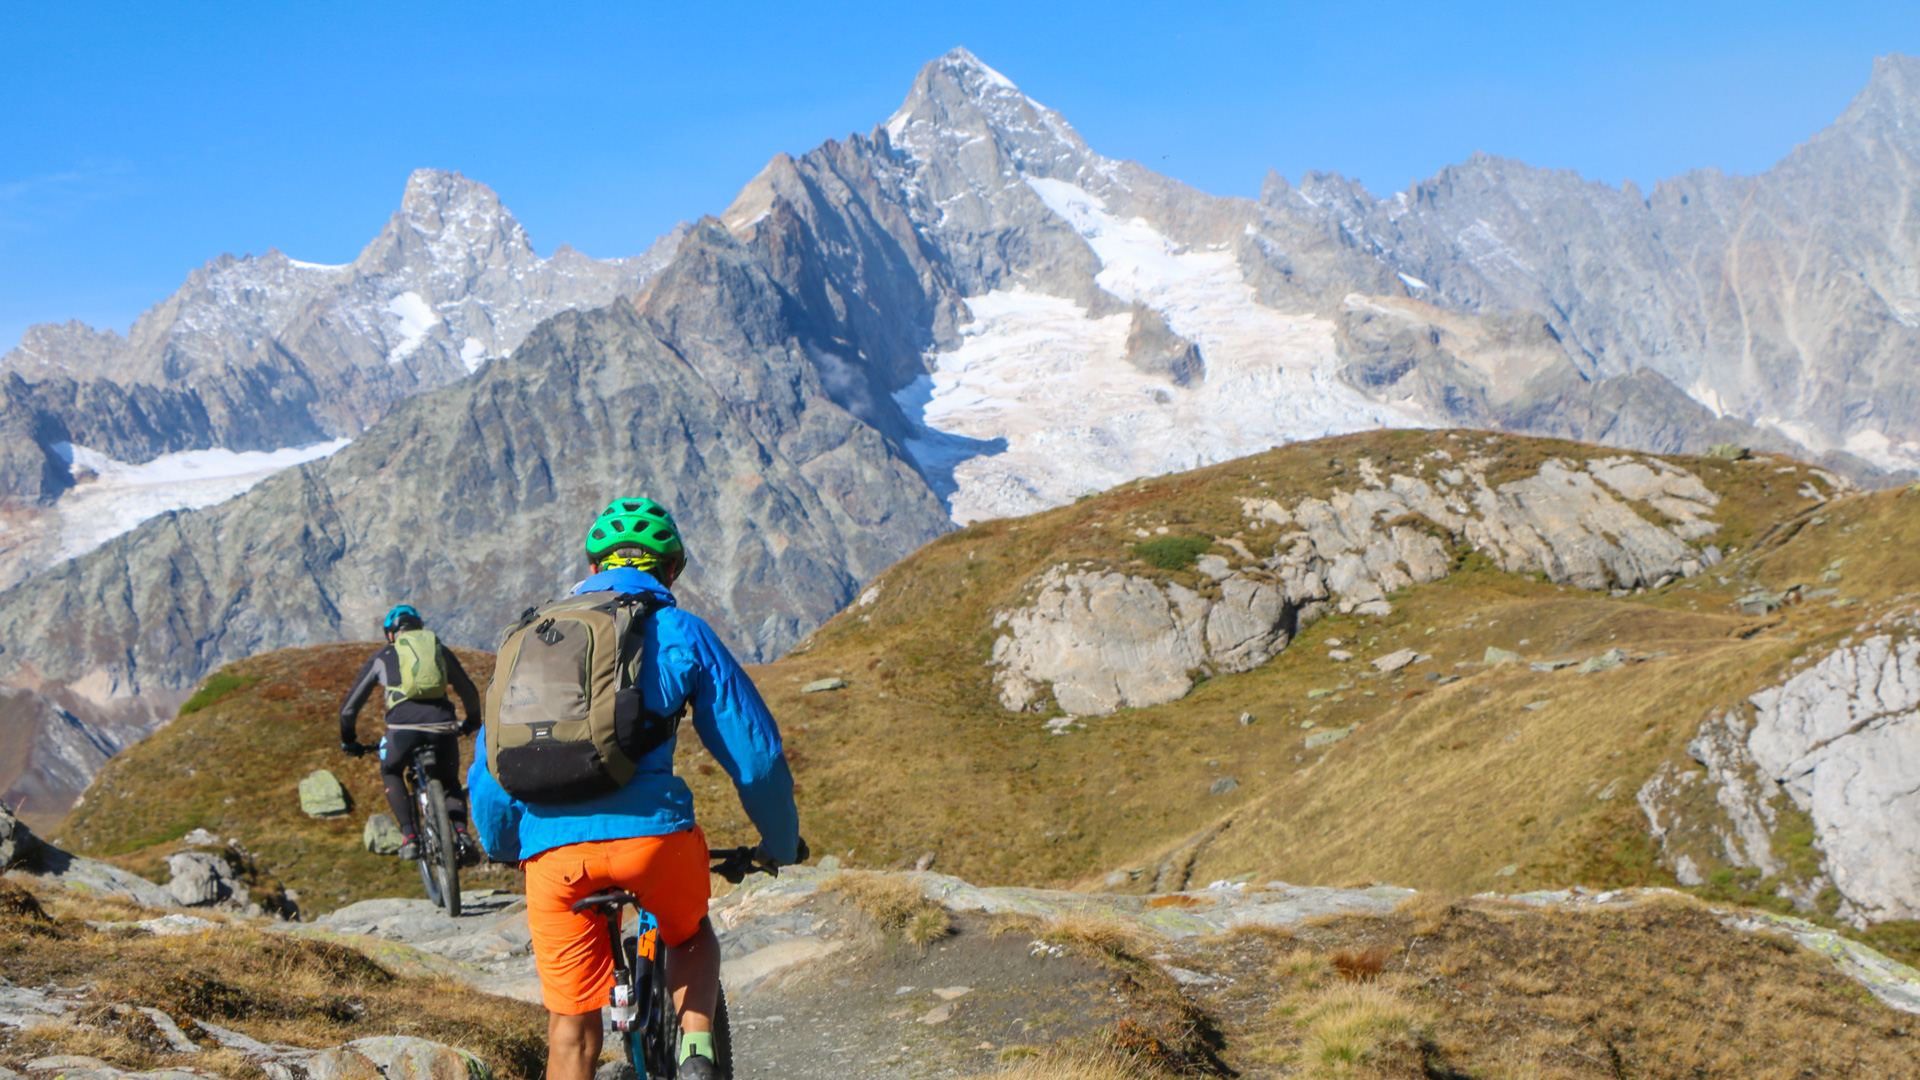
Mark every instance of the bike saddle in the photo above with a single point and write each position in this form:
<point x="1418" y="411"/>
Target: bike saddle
<point x="610" y="899"/>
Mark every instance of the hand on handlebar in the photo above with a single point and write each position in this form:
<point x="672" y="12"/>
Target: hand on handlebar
<point x="735" y="864"/>
<point x="354" y="749"/>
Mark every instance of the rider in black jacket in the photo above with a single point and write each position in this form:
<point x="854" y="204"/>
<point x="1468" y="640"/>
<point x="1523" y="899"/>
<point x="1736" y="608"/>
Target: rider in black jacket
<point x="410" y="722"/>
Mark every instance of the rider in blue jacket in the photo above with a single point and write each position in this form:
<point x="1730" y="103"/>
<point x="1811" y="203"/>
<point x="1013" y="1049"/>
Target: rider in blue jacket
<point x="641" y="837"/>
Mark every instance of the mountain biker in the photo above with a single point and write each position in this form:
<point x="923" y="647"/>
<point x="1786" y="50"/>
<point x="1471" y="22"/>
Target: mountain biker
<point x="642" y="837"/>
<point x="412" y="721"/>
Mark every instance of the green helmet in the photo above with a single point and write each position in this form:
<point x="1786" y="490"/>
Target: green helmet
<point x="640" y="523"/>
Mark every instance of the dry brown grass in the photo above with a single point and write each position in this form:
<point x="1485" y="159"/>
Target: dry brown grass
<point x="1506" y="992"/>
<point x="272" y="986"/>
<point x="1096" y="936"/>
<point x="894" y="904"/>
<point x="1071" y="1066"/>
<point x="1359" y="1030"/>
<point x="1359" y="965"/>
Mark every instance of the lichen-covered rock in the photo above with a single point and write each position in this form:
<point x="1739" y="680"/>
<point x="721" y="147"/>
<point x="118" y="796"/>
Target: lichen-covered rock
<point x="380" y="835"/>
<point x="402" y="1057"/>
<point x="321" y="794"/>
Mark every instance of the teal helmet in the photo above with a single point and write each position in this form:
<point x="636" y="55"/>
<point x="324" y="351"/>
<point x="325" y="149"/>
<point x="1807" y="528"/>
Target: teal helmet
<point x="402" y="617"/>
<point x="640" y="524"/>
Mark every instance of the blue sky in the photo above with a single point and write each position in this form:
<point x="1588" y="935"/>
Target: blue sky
<point x="137" y="141"/>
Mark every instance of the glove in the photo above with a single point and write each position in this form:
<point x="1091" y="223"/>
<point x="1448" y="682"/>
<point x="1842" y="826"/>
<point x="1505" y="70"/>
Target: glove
<point x="353" y="749"/>
<point x="801" y="854"/>
<point x="470" y="726"/>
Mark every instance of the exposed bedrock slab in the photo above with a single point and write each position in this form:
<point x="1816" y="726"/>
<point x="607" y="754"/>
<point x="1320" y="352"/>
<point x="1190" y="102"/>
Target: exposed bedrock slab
<point x="1843" y="740"/>
<point x="1106" y="640"/>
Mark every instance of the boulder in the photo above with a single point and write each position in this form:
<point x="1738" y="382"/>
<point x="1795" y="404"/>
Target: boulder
<point x="1226" y="785"/>
<point x="200" y="878"/>
<point x="822" y="685"/>
<point x="321" y="794"/>
<point x="1497" y="655"/>
<point x="381" y="836"/>
<point x="17" y="843"/>
<point x="402" y="1057"/>
<point x="1394" y="661"/>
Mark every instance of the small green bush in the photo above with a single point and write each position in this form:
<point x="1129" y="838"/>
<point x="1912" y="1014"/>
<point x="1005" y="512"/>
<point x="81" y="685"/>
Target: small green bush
<point x="217" y="686"/>
<point x="1171" y="552"/>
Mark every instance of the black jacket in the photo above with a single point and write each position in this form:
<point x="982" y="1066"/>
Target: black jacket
<point x="383" y="669"/>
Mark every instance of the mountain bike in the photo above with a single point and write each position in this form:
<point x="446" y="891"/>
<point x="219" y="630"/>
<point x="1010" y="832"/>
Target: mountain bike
<point x="645" y="1021"/>
<point x="437" y="852"/>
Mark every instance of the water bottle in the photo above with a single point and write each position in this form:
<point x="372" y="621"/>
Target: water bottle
<point x="624" y="1009"/>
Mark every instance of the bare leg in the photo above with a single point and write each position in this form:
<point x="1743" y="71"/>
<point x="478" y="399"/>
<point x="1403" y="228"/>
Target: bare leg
<point x="694" y="972"/>
<point x="573" y="1045"/>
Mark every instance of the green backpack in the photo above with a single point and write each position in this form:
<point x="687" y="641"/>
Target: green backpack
<point x="422" y="675"/>
<point x="563" y="720"/>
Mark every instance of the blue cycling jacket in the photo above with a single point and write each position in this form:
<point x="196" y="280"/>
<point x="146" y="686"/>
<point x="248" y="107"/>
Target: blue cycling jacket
<point x="682" y="661"/>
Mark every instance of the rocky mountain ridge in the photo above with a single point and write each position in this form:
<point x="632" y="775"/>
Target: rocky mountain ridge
<point x="265" y="353"/>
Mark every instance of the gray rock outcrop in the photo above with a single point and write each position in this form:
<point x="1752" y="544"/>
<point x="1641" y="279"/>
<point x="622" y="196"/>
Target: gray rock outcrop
<point x="200" y="879"/>
<point x="1104" y="640"/>
<point x="1834" y="744"/>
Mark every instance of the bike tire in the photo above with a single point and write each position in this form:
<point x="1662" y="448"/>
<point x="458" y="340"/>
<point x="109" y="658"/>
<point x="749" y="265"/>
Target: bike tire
<point x="442" y="849"/>
<point x="722" y="1037"/>
<point x="424" y="857"/>
<point x="659" y="1050"/>
<point x="655" y="1051"/>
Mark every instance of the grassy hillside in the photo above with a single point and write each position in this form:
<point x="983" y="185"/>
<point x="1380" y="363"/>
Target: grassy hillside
<point x="231" y="763"/>
<point x="916" y="755"/>
<point x="1455" y="776"/>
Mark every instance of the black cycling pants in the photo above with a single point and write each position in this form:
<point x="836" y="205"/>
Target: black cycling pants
<point x="396" y="749"/>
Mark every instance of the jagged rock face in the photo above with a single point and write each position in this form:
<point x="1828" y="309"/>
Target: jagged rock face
<point x="51" y="753"/>
<point x="259" y="353"/>
<point x="1786" y="300"/>
<point x="1104" y="640"/>
<point x="1835" y="743"/>
<point x="470" y="503"/>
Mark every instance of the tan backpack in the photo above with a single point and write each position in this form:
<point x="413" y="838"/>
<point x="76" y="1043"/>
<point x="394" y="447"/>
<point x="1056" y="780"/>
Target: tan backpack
<point x="564" y="723"/>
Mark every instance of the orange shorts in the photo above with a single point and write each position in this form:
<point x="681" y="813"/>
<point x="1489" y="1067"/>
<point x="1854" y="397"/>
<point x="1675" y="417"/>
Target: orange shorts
<point x="667" y="874"/>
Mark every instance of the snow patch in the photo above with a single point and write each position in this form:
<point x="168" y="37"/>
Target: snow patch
<point x="1038" y="405"/>
<point x="1883" y="450"/>
<point x="330" y="267"/>
<point x="1414" y="282"/>
<point x="112" y="497"/>
<point x="1708" y="396"/>
<point x="473" y="353"/>
<point x="416" y="318"/>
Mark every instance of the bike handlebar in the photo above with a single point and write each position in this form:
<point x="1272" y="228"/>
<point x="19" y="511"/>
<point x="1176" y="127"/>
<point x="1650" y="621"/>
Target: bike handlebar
<point x="735" y="864"/>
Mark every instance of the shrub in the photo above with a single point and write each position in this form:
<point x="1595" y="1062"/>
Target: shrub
<point x="1171" y="552"/>
<point x="217" y="686"/>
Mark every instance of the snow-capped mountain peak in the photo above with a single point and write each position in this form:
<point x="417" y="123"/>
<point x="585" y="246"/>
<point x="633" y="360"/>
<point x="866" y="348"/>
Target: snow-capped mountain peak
<point x="957" y="102"/>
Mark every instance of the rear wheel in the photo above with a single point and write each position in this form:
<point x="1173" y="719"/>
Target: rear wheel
<point x="655" y="1052"/>
<point x="440" y="851"/>
<point x="722" y="1038"/>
